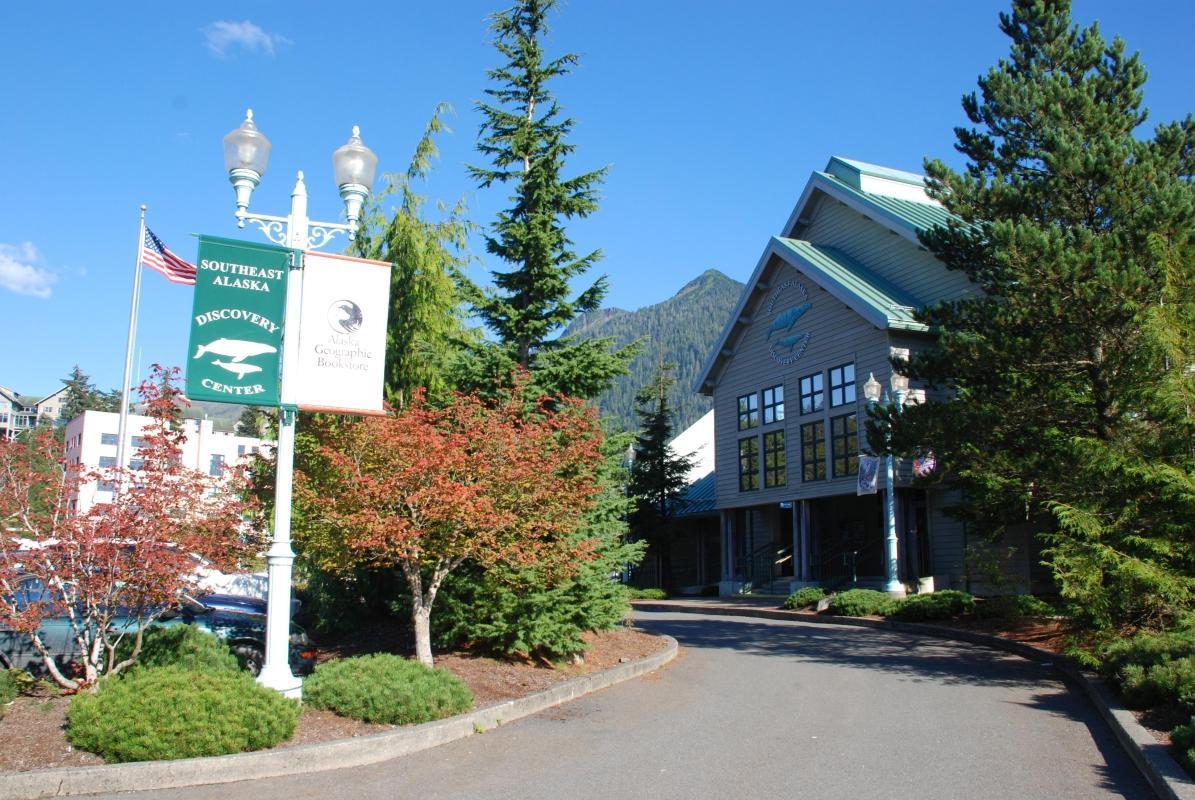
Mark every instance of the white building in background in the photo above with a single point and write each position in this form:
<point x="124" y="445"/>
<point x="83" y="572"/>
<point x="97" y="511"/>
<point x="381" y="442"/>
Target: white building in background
<point x="91" y="442"/>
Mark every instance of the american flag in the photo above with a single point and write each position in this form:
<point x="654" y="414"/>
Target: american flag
<point x="156" y="255"/>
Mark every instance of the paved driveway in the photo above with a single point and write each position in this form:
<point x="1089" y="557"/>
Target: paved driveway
<point x="769" y="709"/>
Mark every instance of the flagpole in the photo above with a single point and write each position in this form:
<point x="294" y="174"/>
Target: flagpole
<point x="122" y="429"/>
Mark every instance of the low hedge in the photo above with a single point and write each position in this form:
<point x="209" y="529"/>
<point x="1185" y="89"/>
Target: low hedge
<point x="1182" y="739"/>
<point x="804" y="597"/>
<point x="9" y="689"/>
<point x="636" y="593"/>
<point x="860" y="603"/>
<point x="1013" y="606"/>
<point x="387" y="689"/>
<point x="168" y="712"/>
<point x="184" y="646"/>
<point x="943" y="604"/>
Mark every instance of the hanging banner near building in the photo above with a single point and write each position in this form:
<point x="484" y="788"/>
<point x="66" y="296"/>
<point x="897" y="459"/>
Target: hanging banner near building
<point x="869" y="474"/>
<point x="236" y="321"/>
<point x="342" y="334"/>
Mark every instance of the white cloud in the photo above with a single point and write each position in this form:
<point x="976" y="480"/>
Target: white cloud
<point x="19" y="273"/>
<point x="221" y="36"/>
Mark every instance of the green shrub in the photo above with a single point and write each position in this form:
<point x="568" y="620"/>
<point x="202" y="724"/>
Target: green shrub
<point x="9" y="689"/>
<point x="1169" y="682"/>
<point x="646" y="594"/>
<point x="1146" y="650"/>
<point x="943" y="604"/>
<point x="1183" y="740"/>
<point x="860" y="603"/>
<point x="804" y="597"/>
<point x="1013" y="606"/>
<point x="169" y="712"/>
<point x="386" y="689"/>
<point x="185" y="646"/>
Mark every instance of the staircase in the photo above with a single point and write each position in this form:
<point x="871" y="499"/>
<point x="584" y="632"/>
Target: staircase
<point x="768" y="570"/>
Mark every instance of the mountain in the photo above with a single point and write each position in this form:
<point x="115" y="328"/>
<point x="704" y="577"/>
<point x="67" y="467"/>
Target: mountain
<point x="681" y="331"/>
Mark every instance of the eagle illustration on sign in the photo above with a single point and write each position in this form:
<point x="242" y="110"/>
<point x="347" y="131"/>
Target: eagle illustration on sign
<point x="789" y="348"/>
<point x="345" y="316"/>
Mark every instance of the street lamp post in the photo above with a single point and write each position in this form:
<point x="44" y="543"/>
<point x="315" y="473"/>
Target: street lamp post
<point x="871" y="390"/>
<point x="246" y="154"/>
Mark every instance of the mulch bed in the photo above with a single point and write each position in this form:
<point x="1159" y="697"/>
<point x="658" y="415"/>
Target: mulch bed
<point x="32" y="727"/>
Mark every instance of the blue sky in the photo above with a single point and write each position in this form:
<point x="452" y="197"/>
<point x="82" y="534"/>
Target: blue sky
<point x="710" y="115"/>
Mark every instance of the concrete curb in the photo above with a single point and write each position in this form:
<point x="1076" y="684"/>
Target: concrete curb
<point x="337" y="754"/>
<point x="1168" y="780"/>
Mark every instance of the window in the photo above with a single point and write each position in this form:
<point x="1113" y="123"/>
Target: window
<point x="842" y="385"/>
<point x="813" y="393"/>
<point x="240" y="450"/>
<point x="748" y="411"/>
<point x="107" y="461"/>
<point x="774" y="468"/>
<point x="108" y="438"/>
<point x="748" y="464"/>
<point x="773" y="404"/>
<point x="844" y="445"/>
<point x="136" y="463"/>
<point x="138" y="442"/>
<point x="106" y="486"/>
<point x="813" y="451"/>
<point x="217" y="466"/>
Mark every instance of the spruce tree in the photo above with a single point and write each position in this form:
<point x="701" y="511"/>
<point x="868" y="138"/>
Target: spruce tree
<point x="659" y="475"/>
<point x="426" y="322"/>
<point x="525" y="138"/>
<point x="81" y="395"/>
<point x="1070" y="369"/>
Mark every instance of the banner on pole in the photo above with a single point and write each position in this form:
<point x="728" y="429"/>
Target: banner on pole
<point x="869" y="474"/>
<point x="236" y="322"/>
<point x="342" y="335"/>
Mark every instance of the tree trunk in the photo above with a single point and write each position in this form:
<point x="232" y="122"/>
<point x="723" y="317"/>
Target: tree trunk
<point x="421" y="617"/>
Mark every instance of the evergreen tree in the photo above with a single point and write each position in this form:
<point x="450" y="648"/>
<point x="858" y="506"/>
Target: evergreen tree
<point x="426" y="325"/>
<point x="81" y="395"/>
<point x="1072" y="387"/>
<point x="250" y="422"/>
<point x="525" y="139"/>
<point x="659" y="476"/>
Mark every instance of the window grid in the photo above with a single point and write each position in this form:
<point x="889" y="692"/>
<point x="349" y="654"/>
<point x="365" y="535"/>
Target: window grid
<point x="748" y="464"/>
<point x="108" y="438"/>
<point x="748" y="411"/>
<point x="844" y="445"/>
<point x="775" y="472"/>
<point x="842" y="385"/>
<point x="813" y="451"/>
<point x="773" y="404"/>
<point x="813" y="393"/>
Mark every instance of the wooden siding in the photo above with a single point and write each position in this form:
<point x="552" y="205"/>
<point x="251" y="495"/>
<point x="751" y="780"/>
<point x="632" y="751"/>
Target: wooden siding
<point x="838" y="336"/>
<point x="907" y="265"/>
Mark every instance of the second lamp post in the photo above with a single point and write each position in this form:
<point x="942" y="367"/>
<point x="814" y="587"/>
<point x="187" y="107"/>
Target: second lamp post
<point x="246" y="154"/>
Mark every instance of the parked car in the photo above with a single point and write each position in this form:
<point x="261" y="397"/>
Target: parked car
<point x="240" y="621"/>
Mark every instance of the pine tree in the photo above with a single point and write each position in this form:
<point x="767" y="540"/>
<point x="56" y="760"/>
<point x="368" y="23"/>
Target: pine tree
<point x="1070" y="370"/>
<point x="659" y="475"/>
<point x="525" y="139"/>
<point x="426" y="326"/>
<point x="250" y="422"/>
<point x="81" y="395"/>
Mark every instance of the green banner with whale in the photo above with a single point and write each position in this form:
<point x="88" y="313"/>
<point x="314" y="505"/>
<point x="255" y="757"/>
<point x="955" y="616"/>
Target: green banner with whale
<point x="236" y="321"/>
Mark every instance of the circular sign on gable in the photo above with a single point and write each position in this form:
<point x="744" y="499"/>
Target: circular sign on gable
<point x="786" y="345"/>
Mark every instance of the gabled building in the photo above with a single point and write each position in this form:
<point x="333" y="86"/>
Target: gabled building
<point x="22" y="412"/>
<point x="831" y="300"/>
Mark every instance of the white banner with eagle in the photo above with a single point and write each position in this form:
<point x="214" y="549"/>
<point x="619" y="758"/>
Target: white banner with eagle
<point x="342" y="334"/>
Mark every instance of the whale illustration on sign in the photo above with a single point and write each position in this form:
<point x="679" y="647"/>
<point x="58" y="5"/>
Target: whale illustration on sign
<point x="792" y="341"/>
<point x="241" y="370"/>
<point x="236" y="349"/>
<point x="786" y="319"/>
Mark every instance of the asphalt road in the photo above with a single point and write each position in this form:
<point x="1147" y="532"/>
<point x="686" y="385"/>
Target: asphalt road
<point x="767" y="709"/>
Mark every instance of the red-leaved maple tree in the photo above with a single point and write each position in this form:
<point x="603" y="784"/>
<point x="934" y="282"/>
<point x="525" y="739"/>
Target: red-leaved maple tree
<point x="111" y="571"/>
<point x="426" y="488"/>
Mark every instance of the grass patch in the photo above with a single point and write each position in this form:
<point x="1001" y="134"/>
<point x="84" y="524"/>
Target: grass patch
<point x="635" y="593"/>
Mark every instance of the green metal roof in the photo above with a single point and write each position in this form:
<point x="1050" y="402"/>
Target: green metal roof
<point x="918" y="216"/>
<point x="887" y="303"/>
